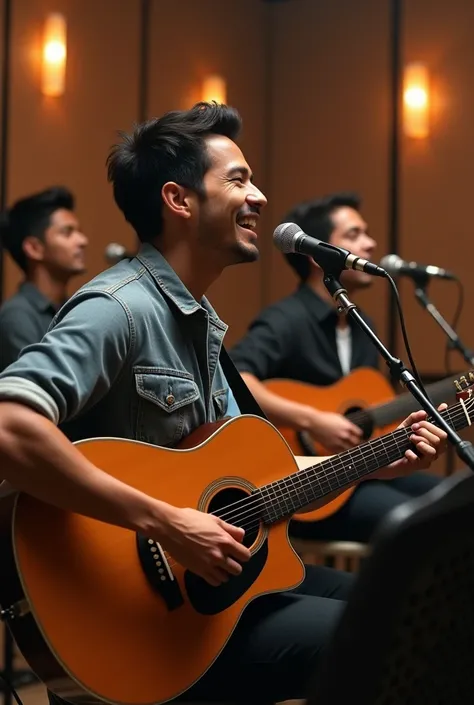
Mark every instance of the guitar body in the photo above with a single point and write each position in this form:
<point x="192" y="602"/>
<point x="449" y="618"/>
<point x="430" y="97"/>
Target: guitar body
<point x="104" y="614"/>
<point x="361" y="389"/>
<point x="98" y="607"/>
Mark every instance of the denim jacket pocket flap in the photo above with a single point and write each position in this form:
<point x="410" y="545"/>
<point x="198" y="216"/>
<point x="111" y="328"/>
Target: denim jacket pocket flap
<point x="220" y="398"/>
<point x="168" y="389"/>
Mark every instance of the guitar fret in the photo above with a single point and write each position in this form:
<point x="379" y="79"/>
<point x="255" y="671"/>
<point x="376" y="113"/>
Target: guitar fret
<point x="290" y="498"/>
<point x="385" y="451"/>
<point x="300" y="489"/>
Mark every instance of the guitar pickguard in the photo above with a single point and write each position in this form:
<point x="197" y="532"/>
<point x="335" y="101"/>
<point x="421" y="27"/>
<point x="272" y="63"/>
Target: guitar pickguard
<point x="204" y="598"/>
<point x="210" y="600"/>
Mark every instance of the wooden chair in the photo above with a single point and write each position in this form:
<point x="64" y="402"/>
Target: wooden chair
<point x="343" y="555"/>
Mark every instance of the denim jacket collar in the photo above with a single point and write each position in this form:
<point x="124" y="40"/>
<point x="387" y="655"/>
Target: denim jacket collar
<point x="172" y="286"/>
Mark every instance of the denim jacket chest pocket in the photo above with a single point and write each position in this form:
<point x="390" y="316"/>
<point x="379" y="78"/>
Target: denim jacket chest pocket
<point x="168" y="408"/>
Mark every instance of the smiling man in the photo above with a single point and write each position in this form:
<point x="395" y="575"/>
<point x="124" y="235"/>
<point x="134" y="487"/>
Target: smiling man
<point x="135" y="354"/>
<point x="42" y="234"/>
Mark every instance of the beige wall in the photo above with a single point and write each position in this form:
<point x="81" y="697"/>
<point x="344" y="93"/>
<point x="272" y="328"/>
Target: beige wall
<point x="438" y="173"/>
<point x="330" y="110"/>
<point x="66" y="140"/>
<point x="310" y="79"/>
<point x="228" y="43"/>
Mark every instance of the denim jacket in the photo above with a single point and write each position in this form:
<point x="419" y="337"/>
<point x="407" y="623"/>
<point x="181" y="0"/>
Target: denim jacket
<point x="132" y="355"/>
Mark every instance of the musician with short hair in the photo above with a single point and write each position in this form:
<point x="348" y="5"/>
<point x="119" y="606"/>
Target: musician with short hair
<point x="303" y="338"/>
<point x="41" y="232"/>
<point x="135" y="354"/>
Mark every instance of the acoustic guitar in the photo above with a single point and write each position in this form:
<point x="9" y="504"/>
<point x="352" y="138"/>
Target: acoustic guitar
<point x="102" y="613"/>
<point x="367" y="399"/>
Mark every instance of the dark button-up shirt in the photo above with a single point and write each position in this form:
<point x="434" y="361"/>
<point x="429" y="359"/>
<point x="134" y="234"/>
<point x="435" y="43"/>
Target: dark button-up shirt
<point x="24" y="319"/>
<point x="295" y="338"/>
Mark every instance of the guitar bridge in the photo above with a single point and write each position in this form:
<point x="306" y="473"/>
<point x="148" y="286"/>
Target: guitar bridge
<point x="158" y="572"/>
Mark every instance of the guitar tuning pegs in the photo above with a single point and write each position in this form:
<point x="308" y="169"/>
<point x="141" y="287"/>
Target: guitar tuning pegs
<point x="471" y="376"/>
<point x="464" y="381"/>
<point x="457" y="385"/>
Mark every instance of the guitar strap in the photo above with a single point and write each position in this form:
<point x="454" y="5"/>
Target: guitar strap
<point x="244" y="398"/>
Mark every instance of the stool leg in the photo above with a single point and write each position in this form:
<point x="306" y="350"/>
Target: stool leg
<point x="8" y="656"/>
<point x="17" y="678"/>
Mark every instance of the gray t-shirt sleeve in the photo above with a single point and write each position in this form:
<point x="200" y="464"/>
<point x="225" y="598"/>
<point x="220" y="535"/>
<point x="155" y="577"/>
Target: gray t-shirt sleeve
<point x="18" y="329"/>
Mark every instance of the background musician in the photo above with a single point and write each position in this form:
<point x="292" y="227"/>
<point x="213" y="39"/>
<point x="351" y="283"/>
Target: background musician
<point x="302" y="338"/>
<point x="41" y="232"/>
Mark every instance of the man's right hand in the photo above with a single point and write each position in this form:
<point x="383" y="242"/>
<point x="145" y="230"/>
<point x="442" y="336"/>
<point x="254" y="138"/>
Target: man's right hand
<point x="333" y="431"/>
<point x="204" y="544"/>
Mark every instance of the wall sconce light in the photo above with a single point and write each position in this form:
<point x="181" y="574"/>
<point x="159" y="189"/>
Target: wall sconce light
<point x="54" y="56"/>
<point x="214" y="88"/>
<point x="416" y="100"/>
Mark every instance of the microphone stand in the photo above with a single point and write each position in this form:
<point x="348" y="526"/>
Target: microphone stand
<point x="464" y="449"/>
<point x="428" y="305"/>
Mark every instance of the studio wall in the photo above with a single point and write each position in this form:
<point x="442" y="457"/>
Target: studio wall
<point x="311" y="81"/>
<point x="66" y="140"/>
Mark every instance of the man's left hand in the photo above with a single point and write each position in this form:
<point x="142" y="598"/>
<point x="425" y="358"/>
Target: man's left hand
<point x="429" y="441"/>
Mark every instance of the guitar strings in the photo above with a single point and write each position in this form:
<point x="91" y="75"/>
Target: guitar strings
<point x="311" y="474"/>
<point x="339" y="462"/>
<point x="456" y="414"/>
<point x="253" y="503"/>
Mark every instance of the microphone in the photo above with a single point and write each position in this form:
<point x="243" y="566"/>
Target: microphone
<point x="115" y="253"/>
<point x="288" y="237"/>
<point x="395" y="265"/>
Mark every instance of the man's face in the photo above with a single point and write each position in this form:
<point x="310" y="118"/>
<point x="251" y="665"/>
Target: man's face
<point x="230" y="209"/>
<point x="63" y="248"/>
<point x="351" y="233"/>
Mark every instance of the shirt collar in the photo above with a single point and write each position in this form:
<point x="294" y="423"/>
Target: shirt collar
<point x="319" y="308"/>
<point x="172" y="286"/>
<point x="36" y="298"/>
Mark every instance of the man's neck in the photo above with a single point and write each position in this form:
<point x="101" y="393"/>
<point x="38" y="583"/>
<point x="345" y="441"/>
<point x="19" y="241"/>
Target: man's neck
<point x="53" y="289"/>
<point x="196" y="269"/>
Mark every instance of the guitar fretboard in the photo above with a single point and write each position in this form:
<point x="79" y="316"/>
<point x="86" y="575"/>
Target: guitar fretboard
<point x="401" y="406"/>
<point x="282" y="498"/>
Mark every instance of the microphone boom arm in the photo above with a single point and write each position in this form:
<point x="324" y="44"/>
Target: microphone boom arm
<point x="429" y="306"/>
<point x="464" y="449"/>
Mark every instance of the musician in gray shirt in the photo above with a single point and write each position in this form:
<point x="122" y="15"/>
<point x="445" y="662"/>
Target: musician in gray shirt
<point x="42" y="235"/>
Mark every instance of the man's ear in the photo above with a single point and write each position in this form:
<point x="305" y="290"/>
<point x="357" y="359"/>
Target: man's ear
<point x="33" y="248"/>
<point x="178" y="199"/>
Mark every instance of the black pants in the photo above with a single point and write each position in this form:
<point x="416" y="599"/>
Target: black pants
<point x="369" y="503"/>
<point x="277" y="644"/>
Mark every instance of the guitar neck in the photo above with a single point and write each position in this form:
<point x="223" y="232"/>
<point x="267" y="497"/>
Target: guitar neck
<point x="289" y="495"/>
<point x="389" y="412"/>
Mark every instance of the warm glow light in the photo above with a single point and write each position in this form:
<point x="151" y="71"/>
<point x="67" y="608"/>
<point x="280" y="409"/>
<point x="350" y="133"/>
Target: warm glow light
<point x="54" y="56"/>
<point x="214" y="88"/>
<point x="416" y="101"/>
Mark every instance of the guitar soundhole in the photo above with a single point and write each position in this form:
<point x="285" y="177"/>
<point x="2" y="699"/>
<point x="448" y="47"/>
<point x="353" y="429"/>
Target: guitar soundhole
<point x="231" y="505"/>
<point x="362" y="419"/>
<point x="240" y="508"/>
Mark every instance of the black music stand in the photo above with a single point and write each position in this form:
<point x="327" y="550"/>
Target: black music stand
<point x="407" y="634"/>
